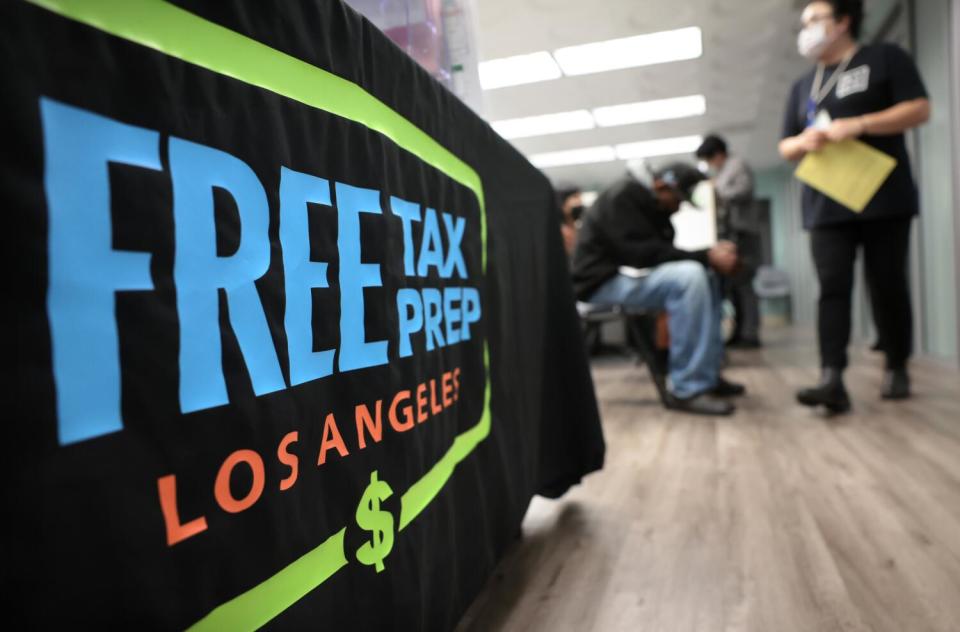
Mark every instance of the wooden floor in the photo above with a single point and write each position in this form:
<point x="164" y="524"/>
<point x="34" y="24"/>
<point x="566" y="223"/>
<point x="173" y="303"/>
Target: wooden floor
<point x="774" y="520"/>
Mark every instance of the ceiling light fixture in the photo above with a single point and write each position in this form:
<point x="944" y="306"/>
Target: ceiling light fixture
<point x="519" y="69"/>
<point x="544" y="124"/>
<point x="626" y="151"/>
<point x="647" y="111"/>
<point x="584" y="156"/>
<point x="658" y="147"/>
<point x="630" y="52"/>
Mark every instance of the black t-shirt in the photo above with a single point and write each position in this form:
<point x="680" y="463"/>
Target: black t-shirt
<point x="878" y="77"/>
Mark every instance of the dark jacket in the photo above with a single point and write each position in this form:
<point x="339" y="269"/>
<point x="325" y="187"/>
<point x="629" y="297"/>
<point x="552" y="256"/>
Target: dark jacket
<point x="624" y="227"/>
<point x="734" y="187"/>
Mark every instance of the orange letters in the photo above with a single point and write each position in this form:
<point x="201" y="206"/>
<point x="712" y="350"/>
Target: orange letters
<point x="331" y="439"/>
<point x="176" y="532"/>
<point x="435" y="408"/>
<point x="290" y="460"/>
<point x="407" y="411"/>
<point x="221" y="487"/>
<point x="421" y="403"/>
<point x="447" y="389"/>
<point x="373" y="425"/>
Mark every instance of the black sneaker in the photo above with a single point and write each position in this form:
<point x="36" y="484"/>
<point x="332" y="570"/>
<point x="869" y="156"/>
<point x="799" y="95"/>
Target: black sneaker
<point x="830" y="392"/>
<point x="702" y="404"/>
<point x="896" y="384"/>
<point x="744" y="343"/>
<point x="725" y="388"/>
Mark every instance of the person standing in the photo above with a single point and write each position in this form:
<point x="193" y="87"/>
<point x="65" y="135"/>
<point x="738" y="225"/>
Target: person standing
<point x="873" y="93"/>
<point x="736" y="221"/>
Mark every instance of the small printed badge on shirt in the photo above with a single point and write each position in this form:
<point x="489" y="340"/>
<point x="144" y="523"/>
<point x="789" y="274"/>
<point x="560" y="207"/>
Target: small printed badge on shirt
<point x="822" y="121"/>
<point x="853" y="81"/>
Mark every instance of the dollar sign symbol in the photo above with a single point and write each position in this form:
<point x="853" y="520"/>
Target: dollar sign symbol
<point x="379" y="523"/>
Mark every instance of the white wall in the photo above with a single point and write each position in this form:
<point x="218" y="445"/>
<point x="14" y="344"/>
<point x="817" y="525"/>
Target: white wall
<point x="937" y="176"/>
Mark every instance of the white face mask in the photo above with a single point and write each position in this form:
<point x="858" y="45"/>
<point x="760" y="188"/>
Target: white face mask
<point x="813" y="40"/>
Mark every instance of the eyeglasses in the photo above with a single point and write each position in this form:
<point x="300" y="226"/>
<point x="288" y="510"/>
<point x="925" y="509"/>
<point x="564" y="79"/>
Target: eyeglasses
<point x="816" y="19"/>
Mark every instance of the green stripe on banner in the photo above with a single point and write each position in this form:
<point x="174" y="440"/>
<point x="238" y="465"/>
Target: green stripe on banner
<point x="263" y="602"/>
<point x="178" y="33"/>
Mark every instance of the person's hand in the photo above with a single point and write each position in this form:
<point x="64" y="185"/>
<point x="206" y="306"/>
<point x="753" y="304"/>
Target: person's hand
<point x="845" y="128"/>
<point x="812" y="139"/>
<point x="724" y="258"/>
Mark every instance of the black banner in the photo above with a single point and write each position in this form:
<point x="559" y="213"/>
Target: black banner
<point x="295" y="342"/>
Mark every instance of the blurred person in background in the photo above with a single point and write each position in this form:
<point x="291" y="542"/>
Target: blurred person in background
<point x="873" y="93"/>
<point x="570" y="201"/>
<point x="733" y="183"/>
<point x="629" y="225"/>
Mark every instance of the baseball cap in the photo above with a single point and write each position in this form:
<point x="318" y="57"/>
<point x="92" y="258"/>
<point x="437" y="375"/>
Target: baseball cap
<point x="681" y="177"/>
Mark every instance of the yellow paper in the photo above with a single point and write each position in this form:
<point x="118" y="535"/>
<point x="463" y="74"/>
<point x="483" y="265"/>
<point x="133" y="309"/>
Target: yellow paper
<point x="849" y="172"/>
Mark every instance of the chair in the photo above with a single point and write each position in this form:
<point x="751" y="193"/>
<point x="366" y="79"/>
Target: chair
<point x="642" y="328"/>
<point x="593" y="317"/>
<point x="773" y="283"/>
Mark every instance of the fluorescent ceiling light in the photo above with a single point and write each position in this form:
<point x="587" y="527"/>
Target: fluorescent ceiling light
<point x="625" y="151"/>
<point x="629" y="52"/>
<point x="544" y="124"/>
<point x="608" y="116"/>
<point x="659" y="147"/>
<point x="584" y="156"/>
<point x="512" y="71"/>
<point x="646" y="111"/>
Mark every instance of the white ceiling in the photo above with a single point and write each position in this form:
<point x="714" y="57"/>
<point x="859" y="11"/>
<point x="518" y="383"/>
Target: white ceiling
<point x="748" y="65"/>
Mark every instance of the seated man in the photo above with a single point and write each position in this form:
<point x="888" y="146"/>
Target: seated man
<point x="629" y="225"/>
<point x="570" y="201"/>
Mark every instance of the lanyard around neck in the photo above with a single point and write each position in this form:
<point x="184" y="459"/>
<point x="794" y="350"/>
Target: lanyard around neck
<point x="816" y="93"/>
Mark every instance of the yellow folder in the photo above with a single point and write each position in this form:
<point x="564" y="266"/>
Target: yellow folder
<point x="850" y="172"/>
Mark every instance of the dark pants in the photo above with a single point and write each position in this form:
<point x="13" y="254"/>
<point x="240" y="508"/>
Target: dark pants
<point x="885" y="245"/>
<point x="746" y="304"/>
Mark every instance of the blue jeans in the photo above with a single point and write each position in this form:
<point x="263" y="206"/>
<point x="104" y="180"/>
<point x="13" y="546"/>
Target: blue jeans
<point x="691" y="297"/>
